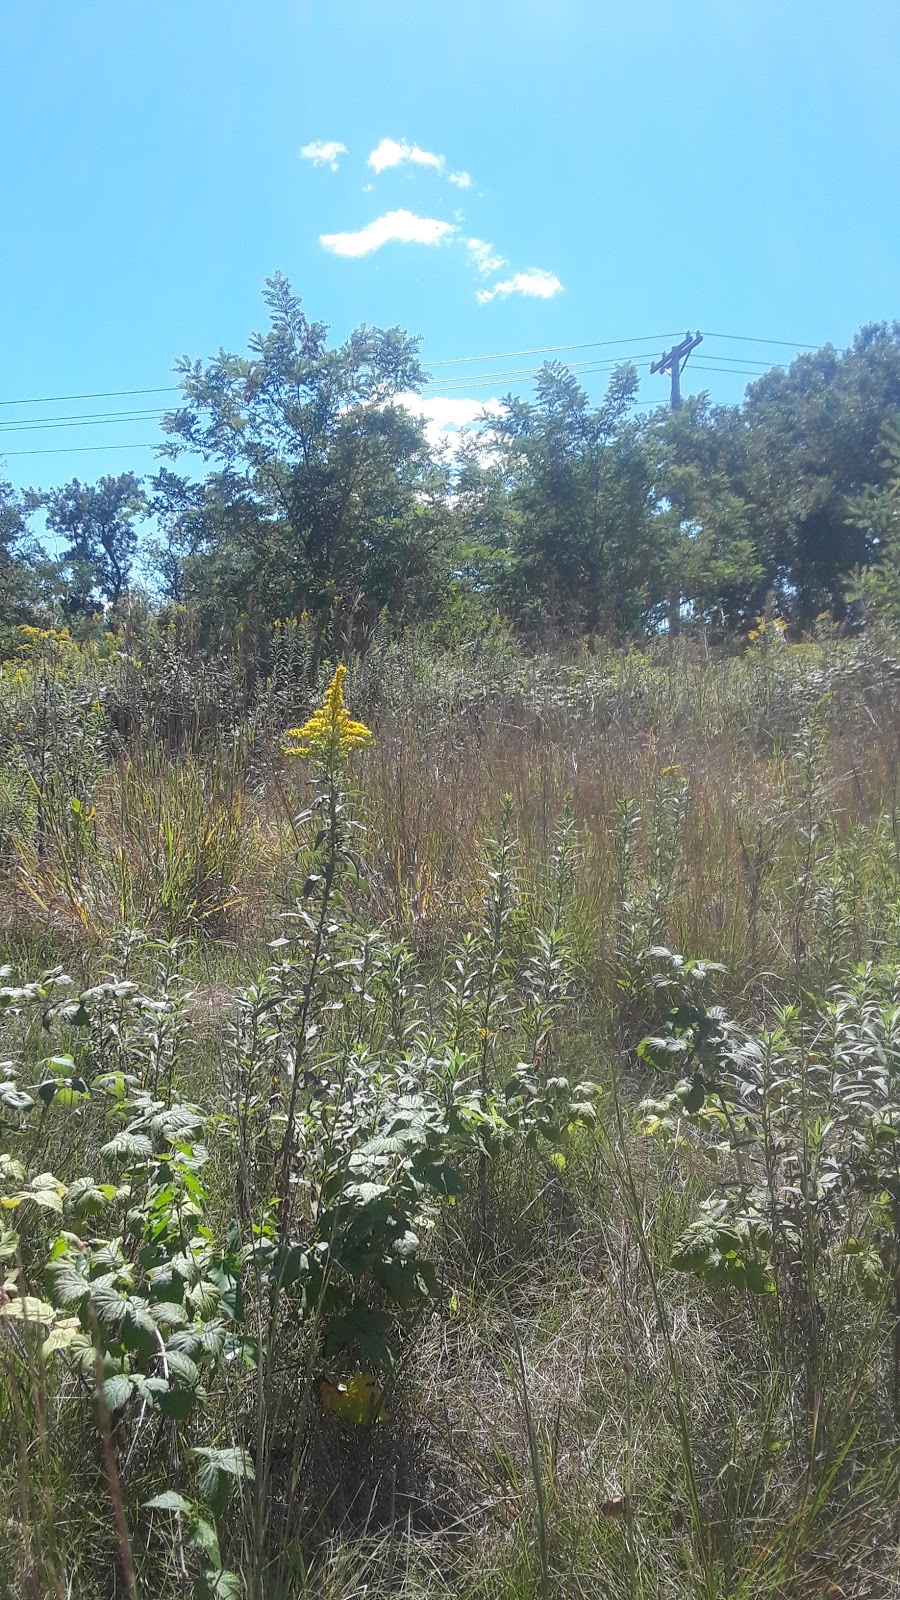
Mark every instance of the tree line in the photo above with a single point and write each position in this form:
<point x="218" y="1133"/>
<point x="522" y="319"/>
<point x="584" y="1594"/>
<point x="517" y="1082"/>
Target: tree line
<point x="318" y="493"/>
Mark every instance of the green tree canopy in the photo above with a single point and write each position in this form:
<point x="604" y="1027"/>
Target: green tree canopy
<point x="586" y="552"/>
<point x="324" y="496"/>
<point x="814" y="430"/>
<point x="99" y="524"/>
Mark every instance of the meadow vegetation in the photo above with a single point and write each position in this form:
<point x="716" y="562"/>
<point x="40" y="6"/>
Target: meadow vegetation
<point x="449" y="1116"/>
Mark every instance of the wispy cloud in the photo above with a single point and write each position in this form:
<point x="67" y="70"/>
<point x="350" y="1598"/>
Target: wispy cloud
<point x="398" y="153"/>
<point x="481" y="255"/>
<point x="323" y="153"/>
<point x="539" y="284"/>
<point x="404" y="227"/>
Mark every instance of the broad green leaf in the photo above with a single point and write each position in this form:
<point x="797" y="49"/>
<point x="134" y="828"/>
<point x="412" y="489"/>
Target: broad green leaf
<point x="693" y="1100"/>
<point x="48" y="1180"/>
<point x="127" y="1147"/>
<point x="402" y="1281"/>
<point x="49" y="1199"/>
<point x="65" y="1284"/>
<point x="26" y="1308"/>
<point x="204" y="1537"/>
<point x="71" y="1093"/>
<point x="177" y="1404"/>
<point x="183" y="1367"/>
<point x="238" y="1463"/>
<point x="169" y="1500"/>
<point x="168" y="1314"/>
<point x="365" y="1328"/>
<point x="212" y="1339"/>
<point x="659" y="1052"/>
<point x="222" y="1585"/>
<point x="758" y="1278"/>
<point x="138" y="1327"/>
<point x="437" y="1175"/>
<point x="117" y="1391"/>
<point x="108" y="1302"/>
<point x="62" y="1337"/>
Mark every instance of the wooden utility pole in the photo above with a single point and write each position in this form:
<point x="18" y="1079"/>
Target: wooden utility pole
<point x="673" y="361"/>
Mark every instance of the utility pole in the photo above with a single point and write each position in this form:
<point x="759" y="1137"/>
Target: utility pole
<point x="673" y="361"/>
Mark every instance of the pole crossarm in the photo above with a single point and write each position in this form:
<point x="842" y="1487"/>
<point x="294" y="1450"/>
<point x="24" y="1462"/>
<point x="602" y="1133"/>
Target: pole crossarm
<point x="673" y="361"/>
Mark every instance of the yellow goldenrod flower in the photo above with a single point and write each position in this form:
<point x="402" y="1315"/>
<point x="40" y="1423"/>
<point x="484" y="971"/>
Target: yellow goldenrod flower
<point x="330" y="732"/>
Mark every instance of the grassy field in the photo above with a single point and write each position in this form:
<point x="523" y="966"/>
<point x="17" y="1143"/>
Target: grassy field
<point x="461" y="1161"/>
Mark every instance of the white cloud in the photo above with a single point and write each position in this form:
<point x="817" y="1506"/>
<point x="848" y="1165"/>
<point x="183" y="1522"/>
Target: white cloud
<point x="391" y="153"/>
<point x="403" y="226"/>
<point x="542" y="285"/>
<point x="448" y="417"/>
<point x="482" y="256"/>
<point x="323" y="153"/>
<point x="397" y="153"/>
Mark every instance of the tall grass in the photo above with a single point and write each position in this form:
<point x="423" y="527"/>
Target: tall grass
<point x="575" y="1400"/>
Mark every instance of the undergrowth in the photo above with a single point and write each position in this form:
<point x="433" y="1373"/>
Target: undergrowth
<point x="455" y="1151"/>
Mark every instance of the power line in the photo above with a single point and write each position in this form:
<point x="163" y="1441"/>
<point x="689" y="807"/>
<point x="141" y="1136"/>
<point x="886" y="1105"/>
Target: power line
<point x="638" y="358"/>
<point x="101" y="394"/>
<point x="744" y="361"/>
<point x="503" y="355"/>
<point x="81" y="422"/>
<point x="748" y="338"/>
<point x="738" y="366"/>
<point x="83" y="416"/>
<point x="68" y="450"/>
<point x="482" y="382"/>
<point x="729" y="372"/>
<point x="549" y="349"/>
<point x="95" y="419"/>
<point x="79" y="449"/>
<point x="578" y="368"/>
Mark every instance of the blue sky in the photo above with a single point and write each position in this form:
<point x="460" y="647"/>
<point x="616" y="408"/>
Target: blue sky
<point x="640" y="168"/>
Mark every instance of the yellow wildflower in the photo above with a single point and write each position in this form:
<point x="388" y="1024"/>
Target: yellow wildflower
<point x="330" y="732"/>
